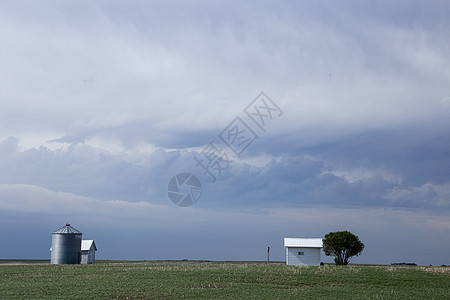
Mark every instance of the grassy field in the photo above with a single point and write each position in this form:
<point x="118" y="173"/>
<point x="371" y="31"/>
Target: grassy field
<point x="207" y="280"/>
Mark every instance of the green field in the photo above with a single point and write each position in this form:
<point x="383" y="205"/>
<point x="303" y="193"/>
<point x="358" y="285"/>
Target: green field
<point x="208" y="280"/>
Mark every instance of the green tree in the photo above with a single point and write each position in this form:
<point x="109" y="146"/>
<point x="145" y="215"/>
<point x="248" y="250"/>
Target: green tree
<point x="342" y="245"/>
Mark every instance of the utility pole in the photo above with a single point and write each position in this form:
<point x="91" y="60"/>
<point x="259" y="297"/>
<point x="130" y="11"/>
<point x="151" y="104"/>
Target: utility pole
<point x="268" y="251"/>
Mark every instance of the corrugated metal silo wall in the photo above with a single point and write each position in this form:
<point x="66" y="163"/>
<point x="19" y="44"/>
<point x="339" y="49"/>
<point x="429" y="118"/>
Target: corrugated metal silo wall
<point x="66" y="248"/>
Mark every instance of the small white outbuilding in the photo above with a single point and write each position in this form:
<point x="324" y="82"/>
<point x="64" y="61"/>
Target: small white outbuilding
<point x="303" y="251"/>
<point x="88" y="249"/>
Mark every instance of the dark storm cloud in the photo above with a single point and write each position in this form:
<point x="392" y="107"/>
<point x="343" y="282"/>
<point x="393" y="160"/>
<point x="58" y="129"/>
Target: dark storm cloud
<point x="103" y="102"/>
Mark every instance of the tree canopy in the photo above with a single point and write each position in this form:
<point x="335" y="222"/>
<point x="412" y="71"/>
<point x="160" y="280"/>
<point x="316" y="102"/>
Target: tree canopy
<point x="342" y="245"/>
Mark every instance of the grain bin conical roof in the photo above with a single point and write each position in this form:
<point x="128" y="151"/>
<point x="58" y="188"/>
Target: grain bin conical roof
<point x="67" y="230"/>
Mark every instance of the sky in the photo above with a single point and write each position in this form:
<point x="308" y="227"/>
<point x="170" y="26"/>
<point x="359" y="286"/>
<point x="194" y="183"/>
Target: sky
<point x="320" y="116"/>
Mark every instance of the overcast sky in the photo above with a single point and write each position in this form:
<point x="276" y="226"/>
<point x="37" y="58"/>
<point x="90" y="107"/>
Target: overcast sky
<point x="103" y="102"/>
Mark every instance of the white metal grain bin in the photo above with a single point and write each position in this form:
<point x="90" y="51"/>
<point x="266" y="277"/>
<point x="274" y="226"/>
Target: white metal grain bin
<point x="66" y="246"/>
<point x="303" y="251"/>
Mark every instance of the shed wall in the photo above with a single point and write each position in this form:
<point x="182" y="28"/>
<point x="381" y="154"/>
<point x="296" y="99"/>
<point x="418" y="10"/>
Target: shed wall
<point x="310" y="257"/>
<point x="88" y="256"/>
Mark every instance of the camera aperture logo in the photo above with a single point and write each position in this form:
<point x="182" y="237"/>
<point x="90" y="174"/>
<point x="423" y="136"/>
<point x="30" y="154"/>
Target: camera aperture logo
<point x="185" y="189"/>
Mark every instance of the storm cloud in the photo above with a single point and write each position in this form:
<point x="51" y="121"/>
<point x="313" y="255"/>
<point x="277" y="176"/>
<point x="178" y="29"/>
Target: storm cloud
<point x="103" y="102"/>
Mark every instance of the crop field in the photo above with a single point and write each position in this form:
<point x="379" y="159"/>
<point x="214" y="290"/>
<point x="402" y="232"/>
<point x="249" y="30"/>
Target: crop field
<point x="220" y="280"/>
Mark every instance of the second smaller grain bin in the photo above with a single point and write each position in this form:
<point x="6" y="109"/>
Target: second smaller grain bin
<point x="66" y="246"/>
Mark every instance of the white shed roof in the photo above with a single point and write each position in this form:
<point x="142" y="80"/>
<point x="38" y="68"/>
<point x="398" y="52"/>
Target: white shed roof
<point x="86" y="245"/>
<point x="303" y="242"/>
